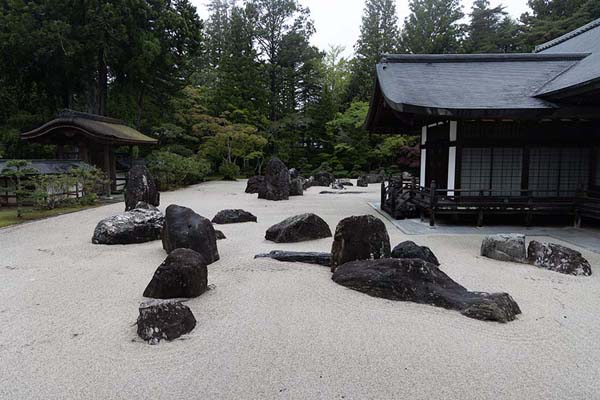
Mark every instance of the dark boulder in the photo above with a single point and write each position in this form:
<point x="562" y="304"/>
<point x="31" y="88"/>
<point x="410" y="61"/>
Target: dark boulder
<point x="297" y="187"/>
<point x="505" y="247"/>
<point x="362" y="181"/>
<point x="182" y="274"/>
<point x="421" y="282"/>
<point x="345" y="183"/>
<point x="184" y="228"/>
<point x="323" y="178"/>
<point x="294" y="173"/>
<point x="255" y="184"/>
<point x="220" y="235"/>
<point x="299" y="228"/>
<point x="337" y="186"/>
<point x="410" y="249"/>
<point x="164" y="320"/>
<point x="277" y="182"/>
<point x="140" y="187"/>
<point x="308" y="183"/>
<point x="142" y="224"/>
<point x="307" y="257"/>
<point x="359" y="238"/>
<point x="233" y="217"/>
<point x="558" y="258"/>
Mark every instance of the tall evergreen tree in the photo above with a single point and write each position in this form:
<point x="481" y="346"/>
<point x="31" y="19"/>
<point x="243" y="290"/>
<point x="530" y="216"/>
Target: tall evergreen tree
<point x="552" y="18"/>
<point x="490" y="29"/>
<point x="379" y="34"/>
<point x="432" y="27"/>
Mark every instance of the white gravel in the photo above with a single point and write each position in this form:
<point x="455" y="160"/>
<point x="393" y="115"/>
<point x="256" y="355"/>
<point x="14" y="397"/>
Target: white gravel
<point x="279" y="330"/>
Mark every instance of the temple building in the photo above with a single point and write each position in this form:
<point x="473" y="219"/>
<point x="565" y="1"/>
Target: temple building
<point x="89" y="138"/>
<point x="500" y="133"/>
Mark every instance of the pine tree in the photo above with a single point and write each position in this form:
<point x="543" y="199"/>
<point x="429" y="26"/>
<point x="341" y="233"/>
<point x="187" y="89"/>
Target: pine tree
<point x="432" y="27"/>
<point x="490" y="30"/>
<point x="379" y="34"/>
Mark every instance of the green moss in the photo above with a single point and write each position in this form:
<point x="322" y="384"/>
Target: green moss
<point x="8" y="215"/>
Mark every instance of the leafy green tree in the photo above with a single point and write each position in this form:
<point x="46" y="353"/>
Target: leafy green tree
<point x="549" y="19"/>
<point x="432" y="27"/>
<point x="491" y="30"/>
<point x="17" y="171"/>
<point x="379" y="34"/>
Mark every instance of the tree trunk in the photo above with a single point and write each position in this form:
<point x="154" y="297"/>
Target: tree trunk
<point x="140" y="104"/>
<point x="102" y="88"/>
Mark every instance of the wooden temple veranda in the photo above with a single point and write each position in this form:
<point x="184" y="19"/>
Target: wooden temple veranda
<point x="90" y="138"/>
<point x="499" y="133"/>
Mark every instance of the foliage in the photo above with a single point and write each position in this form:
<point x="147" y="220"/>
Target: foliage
<point x="16" y="171"/>
<point x="379" y="34"/>
<point x="55" y="190"/>
<point x="432" y="27"/>
<point x="490" y="30"/>
<point x="172" y="170"/>
<point x="229" y="170"/>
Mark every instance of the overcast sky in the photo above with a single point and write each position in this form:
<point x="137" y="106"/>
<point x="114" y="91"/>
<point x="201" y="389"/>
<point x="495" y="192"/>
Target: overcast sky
<point x="338" y="21"/>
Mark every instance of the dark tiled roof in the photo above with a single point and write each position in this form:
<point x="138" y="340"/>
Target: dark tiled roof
<point x="95" y="126"/>
<point x="469" y="82"/>
<point x="49" y="167"/>
<point x="584" y="39"/>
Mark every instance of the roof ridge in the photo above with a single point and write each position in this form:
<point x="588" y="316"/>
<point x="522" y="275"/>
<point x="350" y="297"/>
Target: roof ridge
<point x="68" y="113"/>
<point x="569" y="35"/>
<point x="491" y="57"/>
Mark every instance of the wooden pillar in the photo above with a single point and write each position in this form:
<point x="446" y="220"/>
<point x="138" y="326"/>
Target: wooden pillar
<point x="452" y="157"/>
<point x="113" y="170"/>
<point x="422" y="176"/>
<point x="107" y="169"/>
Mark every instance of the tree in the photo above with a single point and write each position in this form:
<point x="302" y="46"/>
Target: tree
<point x="552" y="18"/>
<point x="279" y="23"/>
<point x="432" y="27"/>
<point x="490" y="30"/>
<point x="379" y="34"/>
<point x="16" y="171"/>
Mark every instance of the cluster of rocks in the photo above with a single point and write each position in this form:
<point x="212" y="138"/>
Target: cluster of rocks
<point x="551" y="256"/>
<point x="278" y="183"/>
<point x="361" y="259"/>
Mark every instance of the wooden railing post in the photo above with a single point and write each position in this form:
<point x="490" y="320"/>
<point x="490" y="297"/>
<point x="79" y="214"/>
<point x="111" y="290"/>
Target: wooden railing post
<point x="432" y="204"/>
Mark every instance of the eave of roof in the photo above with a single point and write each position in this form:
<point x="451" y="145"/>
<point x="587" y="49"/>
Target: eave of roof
<point x="567" y="36"/>
<point x="97" y="127"/>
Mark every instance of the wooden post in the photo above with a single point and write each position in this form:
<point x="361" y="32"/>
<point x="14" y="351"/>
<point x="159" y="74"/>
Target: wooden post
<point x="579" y="199"/>
<point x="529" y="215"/>
<point x="432" y="204"/>
<point x="107" y="169"/>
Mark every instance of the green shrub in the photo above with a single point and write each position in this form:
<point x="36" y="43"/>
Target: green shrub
<point x="229" y="170"/>
<point x="172" y="170"/>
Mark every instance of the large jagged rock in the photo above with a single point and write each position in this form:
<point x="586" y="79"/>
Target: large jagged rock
<point x="255" y="184"/>
<point x="362" y="181"/>
<point x="277" y="181"/>
<point x="182" y="274"/>
<point x="164" y="320"/>
<point x="422" y="282"/>
<point x="142" y="224"/>
<point x="323" y="178"/>
<point x="140" y="187"/>
<point x="299" y="228"/>
<point x="359" y="238"/>
<point x="505" y="247"/>
<point x="558" y="258"/>
<point x="307" y="257"/>
<point x="297" y="187"/>
<point x="233" y="217"/>
<point x="410" y="249"/>
<point x="184" y="228"/>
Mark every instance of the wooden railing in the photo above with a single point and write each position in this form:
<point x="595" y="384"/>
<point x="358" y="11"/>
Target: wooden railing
<point x="433" y="201"/>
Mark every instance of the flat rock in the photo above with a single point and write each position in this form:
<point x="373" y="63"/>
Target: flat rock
<point x="421" y="282"/>
<point x="182" y="274"/>
<point x="184" y="228"/>
<point x="361" y="237"/>
<point x="276" y="186"/>
<point x="410" y="249"/>
<point x="220" y="235"/>
<point x="505" y="247"/>
<point x="164" y="320"/>
<point x="558" y="258"/>
<point x="139" y="225"/>
<point x="233" y="217"/>
<point x="255" y="184"/>
<point x="140" y="187"/>
<point x="307" y="257"/>
<point x="299" y="228"/>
